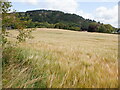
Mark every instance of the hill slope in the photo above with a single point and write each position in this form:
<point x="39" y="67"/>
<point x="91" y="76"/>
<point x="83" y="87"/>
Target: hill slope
<point x="61" y="20"/>
<point x="53" y="17"/>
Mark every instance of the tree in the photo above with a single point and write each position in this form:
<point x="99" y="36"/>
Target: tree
<point x="93" y="27"/>
<point x="109" y="28"/>
<point x="102" y="29"/>
<point x="60" y="26"/>
<point x="85" y="26"/>
<point x="5" y="8"/>
<point x="11" y="19"/>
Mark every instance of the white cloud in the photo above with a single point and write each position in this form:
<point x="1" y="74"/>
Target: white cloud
<point x="65" y="0"/>
<point x="63" y="5"/>
<point x="33" y="2"/>
<point x="84" y="14"/>
<point x="69" y="6"/>
<point x="119" y="15"/>
<point x="107" y="15"/>
<point x="103" y="14"/>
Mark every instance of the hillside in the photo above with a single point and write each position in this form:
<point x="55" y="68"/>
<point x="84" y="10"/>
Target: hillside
<point x="61" y="20"/>
<point x="53" y="17"/>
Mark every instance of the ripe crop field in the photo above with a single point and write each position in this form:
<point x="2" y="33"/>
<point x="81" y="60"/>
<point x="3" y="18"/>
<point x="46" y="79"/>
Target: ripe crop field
<point x="65" y="59"/>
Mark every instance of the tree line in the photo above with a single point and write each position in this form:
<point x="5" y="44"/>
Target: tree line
<point x="61" y="20"/>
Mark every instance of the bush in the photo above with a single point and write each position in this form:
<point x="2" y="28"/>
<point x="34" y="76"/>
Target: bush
<point x="93" y="27"/>
<point x="102" y="29"/>
<point x="75" y="28"/>
<point x="109" y="28"/>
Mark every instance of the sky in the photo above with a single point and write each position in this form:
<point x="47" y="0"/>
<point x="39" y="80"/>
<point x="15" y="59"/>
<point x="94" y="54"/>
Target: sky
<point x="104" y="11"/>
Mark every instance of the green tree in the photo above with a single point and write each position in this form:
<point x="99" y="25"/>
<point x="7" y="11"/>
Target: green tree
<point x="6" y="20"/>
<point x="102" y="28"/>
<point x="85" y="26"/>
<point x="11" y="19"/>
<point x="109" y="28"/>
<point x="93" y="27"/>
<point x="60" y="26"/>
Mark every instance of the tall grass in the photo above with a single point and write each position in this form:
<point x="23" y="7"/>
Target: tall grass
<point x="68" y="60"/>
<point x="19" y="71"/>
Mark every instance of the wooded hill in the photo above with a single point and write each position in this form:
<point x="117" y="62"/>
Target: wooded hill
<point x="61" y="20"/>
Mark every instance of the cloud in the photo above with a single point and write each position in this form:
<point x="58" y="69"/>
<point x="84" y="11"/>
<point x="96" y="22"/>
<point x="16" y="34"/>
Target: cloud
<point x="103" y="14"/>
<point x="84" y="14"/>
<point x="69" y="0"/>
<point x="119" y="14"/>
<point x="69" y="6"/>
<point x="33" y="2"/>
<point x="63" y="5"/>
<point x="107" y="15"/>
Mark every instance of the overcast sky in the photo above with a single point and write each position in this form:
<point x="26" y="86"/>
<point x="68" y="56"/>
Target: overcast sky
<point x="105" y="11"/>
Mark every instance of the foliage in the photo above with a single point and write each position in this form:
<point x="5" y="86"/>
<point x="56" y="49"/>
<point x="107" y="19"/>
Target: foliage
<point x="61" y="20"/>
<point x="109" y="28"/>
<point x="55" y="19"/>
<point x="102" y="28"/>
<point x="5" y="20"/>
<point x="11" y="20"/>
<point x="24" y="34"/>
<point x="93" y="27"/>
<point x="85" y="26"/>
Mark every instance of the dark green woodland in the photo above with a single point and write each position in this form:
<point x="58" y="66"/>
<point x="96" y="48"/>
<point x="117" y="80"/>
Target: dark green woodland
<point x="61" y="20"/>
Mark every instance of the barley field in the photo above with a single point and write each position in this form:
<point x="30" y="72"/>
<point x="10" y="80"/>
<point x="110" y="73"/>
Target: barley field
<point x="57" y="58"/>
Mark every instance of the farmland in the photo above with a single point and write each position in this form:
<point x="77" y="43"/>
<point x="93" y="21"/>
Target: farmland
<point x="59" y="58"/>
